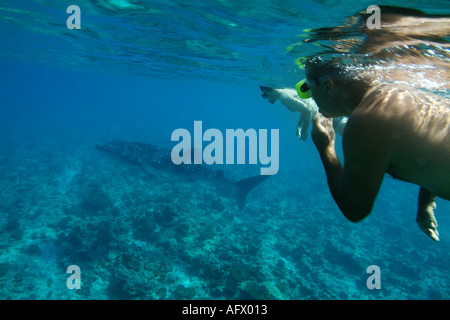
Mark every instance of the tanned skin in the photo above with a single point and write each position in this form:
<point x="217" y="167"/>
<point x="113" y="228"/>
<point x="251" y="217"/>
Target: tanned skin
<point x="391" y="129"/>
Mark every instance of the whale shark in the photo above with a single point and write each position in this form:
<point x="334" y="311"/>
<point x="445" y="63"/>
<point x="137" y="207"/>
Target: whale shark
<point x="149" y="157"/>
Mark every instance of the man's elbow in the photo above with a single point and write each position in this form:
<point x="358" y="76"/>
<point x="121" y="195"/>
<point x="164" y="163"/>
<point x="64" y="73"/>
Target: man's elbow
<point x="356" y="214"/>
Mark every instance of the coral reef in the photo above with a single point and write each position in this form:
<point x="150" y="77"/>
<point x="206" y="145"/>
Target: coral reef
<point x="136" y="237"/>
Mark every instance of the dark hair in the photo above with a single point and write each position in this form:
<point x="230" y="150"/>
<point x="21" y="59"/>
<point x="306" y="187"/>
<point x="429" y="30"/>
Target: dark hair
<point x="345" y="70"/>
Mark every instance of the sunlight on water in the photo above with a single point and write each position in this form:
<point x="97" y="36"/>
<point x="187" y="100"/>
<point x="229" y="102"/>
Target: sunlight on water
<point x="232" y="41"/>
<point x="410" y="47"/>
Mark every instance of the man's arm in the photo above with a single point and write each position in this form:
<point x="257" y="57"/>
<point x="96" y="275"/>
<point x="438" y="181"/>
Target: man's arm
<point x="355" y="186"/>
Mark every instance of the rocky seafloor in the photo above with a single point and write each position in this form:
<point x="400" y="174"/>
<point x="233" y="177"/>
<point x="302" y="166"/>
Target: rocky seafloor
<point x="136" y="236"/>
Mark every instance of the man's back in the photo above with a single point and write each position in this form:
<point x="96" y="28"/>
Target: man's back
<point x="408" y="131"/>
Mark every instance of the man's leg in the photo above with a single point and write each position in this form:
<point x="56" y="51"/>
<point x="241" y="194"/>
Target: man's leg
<point x="425" y="214"/>
<point x="300" y="127"/>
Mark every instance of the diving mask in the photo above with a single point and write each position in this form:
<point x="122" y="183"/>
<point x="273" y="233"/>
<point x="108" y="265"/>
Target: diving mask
<point x="303" y="89"/>
<point x="304" y="86"/>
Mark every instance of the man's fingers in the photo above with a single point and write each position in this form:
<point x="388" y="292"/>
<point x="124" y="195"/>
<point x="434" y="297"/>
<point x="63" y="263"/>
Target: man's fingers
<point x="325" y="122"/>
<point x="319" y="119"/>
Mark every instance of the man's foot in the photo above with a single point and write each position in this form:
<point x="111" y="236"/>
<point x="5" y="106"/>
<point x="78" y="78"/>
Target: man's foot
<point x="299" y="133"/>
<point x="427" y="222"/>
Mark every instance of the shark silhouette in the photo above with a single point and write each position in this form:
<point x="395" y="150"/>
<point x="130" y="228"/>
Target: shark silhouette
<point x="149" y="157"/>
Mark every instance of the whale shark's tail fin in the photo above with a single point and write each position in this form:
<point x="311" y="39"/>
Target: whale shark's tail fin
<point x="243" y="187"/>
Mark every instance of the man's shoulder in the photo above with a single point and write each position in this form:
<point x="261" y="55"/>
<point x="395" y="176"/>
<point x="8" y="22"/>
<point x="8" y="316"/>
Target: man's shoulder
<point x="387" y="101"/>
<point x="398" y="95"/>
<point x="391" y="110"/>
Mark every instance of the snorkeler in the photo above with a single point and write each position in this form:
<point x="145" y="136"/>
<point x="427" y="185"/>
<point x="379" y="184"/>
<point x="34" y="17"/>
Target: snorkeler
<point x="289" y="98"/>
<point x="391" y="128"/>
<point x="307" y="108"/>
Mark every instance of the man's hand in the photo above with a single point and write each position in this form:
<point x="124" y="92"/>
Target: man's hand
<point x="322" y="133"/>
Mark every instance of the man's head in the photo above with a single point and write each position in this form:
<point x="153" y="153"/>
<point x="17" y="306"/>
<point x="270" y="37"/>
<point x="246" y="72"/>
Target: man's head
<point x="336" y="84"/>
<point x="270" y="94"/>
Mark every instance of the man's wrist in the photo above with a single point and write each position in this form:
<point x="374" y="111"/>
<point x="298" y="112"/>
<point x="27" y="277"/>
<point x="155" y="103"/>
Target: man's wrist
<point x="328" y="152"/>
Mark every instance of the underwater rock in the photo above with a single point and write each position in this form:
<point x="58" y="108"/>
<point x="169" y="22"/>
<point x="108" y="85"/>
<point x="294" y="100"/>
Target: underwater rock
<point x="184" y="227"/>
<point x="339" y="257"/>
<point x="165" y="216"/>
<point x="203" y="206"/>
<point x="434" y="294"/>
<point x="152" y="259"/>
<point x="64" y="223"/>
<point x="282" y="286"/>
<point x="415" y="289"/>
<point x="231" y="285"/>
<point x="264" y="290"/>
<point x="122" y="276"/>
<point x="252" y="289"/>
<point x="33" y="249"/>
<point x="18" y="289"/>
<point x="166" y="265"/>
<point x="166" y="198"/>
<point x="4" y="268"/>
<point x="84" y="291"/>
<point x="18" y="277"/>
<point x="217" y="281"/>
<point x="73" y="238"/>
<point x="134" y="264"/>
<point x="36" y="214"/>
<point x="343" y="295"/>
<point x="281" y="263"/>
<point x="191" y="294"/>
<point x="280" y="273"/>
<point x="17" y="234"/>
<point x="126" y="257"/>
<point x="143" y="227"/>
<point x="181" y="291"/>
<point x="217" y="205"/>
<point x="162" y="292"/>
<point x="96" y="201"/>
<point x="12" y="225"/>
<point x="162" y="277"/>
<point x="242" y="272"/>
<point x="128" y="203"/>
<point x="207" y="232"/>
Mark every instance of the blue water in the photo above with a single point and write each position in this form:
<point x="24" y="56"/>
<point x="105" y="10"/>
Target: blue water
<point x="137" y="71"/>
